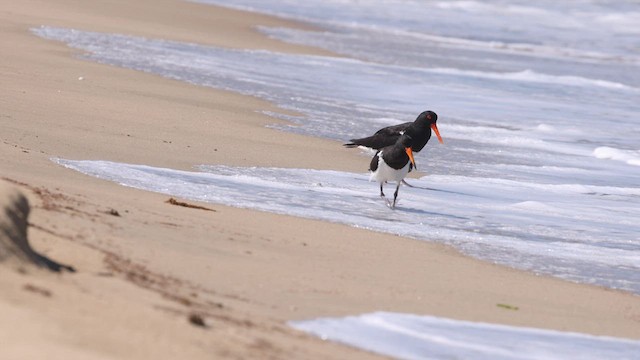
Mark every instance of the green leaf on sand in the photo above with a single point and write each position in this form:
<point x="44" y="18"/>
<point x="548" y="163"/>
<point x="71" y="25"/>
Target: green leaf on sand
<point x="507" y="306"/>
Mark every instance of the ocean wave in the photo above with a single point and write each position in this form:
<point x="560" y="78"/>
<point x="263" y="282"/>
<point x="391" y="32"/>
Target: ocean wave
<point x="484" y="7"/>
<point x="532" y="76"/>
<point x="630" y="157"/>
<point x="409" y="336"/>
<point x="521" y="48"/>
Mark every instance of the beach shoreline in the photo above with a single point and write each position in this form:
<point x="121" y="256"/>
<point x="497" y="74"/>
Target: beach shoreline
<point x="145" y="267"/>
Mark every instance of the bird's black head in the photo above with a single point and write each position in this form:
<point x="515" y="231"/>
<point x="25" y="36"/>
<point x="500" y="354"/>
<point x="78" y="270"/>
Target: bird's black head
<point x="428" y="117"/>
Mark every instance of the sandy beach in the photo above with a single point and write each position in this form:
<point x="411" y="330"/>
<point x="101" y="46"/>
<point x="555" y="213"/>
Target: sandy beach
<point x="158" y="280"/>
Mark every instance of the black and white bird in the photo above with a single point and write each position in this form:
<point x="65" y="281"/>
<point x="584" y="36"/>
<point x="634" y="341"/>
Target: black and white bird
<point x="419" y="130"/>
<point x="392" y="163"/>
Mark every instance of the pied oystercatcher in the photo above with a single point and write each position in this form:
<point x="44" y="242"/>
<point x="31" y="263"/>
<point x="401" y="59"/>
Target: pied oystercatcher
<point x="419" y="130"/>
<point x="392" y="163"/>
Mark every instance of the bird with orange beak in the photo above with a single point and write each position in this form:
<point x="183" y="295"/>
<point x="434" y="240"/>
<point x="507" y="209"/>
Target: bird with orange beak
<point x="419" y="130"/>
<point x="392" y="163"/>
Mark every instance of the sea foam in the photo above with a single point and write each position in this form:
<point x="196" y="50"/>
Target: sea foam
<point x="630" y="157"/>
<point x="406" y="336"/>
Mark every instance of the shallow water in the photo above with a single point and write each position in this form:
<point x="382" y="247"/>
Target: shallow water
<point x="407" y="336"/>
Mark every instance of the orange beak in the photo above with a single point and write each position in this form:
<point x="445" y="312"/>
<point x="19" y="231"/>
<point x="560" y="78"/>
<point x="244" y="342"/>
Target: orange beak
<point x="410" y="153"/>
<point x="435" y="130"/>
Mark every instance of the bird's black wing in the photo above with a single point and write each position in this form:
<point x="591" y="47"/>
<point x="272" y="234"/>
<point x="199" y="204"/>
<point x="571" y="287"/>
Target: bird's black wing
<point x="384" y="137"/>
<point x="394" y="130"/>
<point x="376" y="142"/>
<point x="373" y="166"/>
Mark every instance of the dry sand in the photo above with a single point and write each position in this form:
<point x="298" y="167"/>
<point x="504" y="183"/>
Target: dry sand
<point x="149" y="273"/>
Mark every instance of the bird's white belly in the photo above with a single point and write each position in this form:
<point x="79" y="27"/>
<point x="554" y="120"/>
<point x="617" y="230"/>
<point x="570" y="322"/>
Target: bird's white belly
<point x="387" y="173"/>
